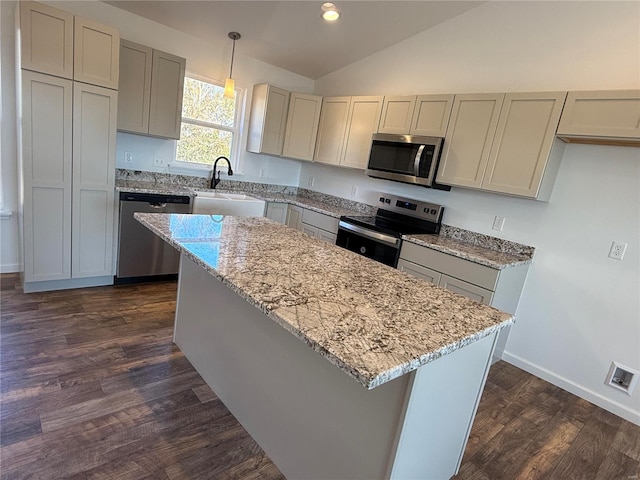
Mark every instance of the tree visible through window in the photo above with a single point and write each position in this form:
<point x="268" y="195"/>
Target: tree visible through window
<point x="208" y="123"/>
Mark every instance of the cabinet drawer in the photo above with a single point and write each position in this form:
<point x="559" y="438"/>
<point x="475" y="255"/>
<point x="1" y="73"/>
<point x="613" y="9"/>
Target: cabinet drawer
<point x="474" y="273"/>
<point x="320" y="220"/>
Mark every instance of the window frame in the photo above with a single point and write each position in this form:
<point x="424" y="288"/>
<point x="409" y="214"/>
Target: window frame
<point x="236" y="131"/>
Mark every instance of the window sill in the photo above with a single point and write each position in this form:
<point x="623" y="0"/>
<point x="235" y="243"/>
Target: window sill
<point x="193" y="169"/>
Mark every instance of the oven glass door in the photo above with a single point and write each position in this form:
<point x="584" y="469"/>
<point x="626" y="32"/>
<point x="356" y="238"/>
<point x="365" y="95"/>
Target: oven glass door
<point x="368" y="247"/>
<point x="401" y="158"/>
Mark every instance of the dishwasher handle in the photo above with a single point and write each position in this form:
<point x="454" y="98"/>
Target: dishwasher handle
<point x="157" y="205"/>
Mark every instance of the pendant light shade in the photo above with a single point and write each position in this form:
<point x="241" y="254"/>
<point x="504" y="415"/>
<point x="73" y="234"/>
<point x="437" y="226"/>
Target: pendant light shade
<point x="229" y="84"/>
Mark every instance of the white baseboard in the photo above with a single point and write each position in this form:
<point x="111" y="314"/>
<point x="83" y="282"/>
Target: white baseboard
<point x="610" y="405"/>
<point x="48" y="285"/>
<point x="9" y="268"/>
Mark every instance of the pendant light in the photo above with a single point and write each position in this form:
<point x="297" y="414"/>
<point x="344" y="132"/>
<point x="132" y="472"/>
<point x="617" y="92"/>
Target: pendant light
<point x="229" y="84"/>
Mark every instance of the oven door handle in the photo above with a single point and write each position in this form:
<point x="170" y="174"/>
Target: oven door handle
<point x="380" y="237"/>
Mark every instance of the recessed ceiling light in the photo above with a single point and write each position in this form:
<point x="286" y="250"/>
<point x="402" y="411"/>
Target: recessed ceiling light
<point x="330" y="12"/>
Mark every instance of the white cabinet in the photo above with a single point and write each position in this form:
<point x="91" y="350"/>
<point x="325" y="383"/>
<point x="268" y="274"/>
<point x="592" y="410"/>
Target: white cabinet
<point x="269" y="107"/>
<point x="46" y="39"/>
<point x="416" y="115"/>
<point x="467" y="145"/>
<point x="57" y="43"/>
<point x="94" y="154"/>
<point x="500" y="288"/>
<point x="525" y="154"/>
<point x="302" y="126"/>
<point x="96" y="53"/>
<point x="277" y="212"/>
<point x="319" y="225"/>
<point x="47" y="156"/>
<point x="605" y="117"/>
<point x="346" y="127"/>
<point x="397" y="112"/>
<point x="134" y="92"/>
<point x="167" y="86"/>
<point x="504" y="143"/>
<point x="431" y="115"/>
<point x="150" y="89"/>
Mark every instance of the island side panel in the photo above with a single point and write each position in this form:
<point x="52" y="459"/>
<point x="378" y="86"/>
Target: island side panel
<point x="312" y="419"/>
<point x="432" y="440"/>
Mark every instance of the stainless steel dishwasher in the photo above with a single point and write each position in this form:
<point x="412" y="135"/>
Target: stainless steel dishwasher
<point x="142" y="255"/>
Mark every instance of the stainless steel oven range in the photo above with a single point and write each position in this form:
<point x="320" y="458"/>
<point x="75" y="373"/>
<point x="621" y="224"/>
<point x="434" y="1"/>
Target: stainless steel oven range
<point x="379" y="237"/>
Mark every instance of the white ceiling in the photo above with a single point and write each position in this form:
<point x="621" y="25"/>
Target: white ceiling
<point x="291" y="35"/>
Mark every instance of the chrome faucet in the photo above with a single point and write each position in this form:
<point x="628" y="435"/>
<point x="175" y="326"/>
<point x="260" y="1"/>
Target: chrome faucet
<point x="216" y="180"/>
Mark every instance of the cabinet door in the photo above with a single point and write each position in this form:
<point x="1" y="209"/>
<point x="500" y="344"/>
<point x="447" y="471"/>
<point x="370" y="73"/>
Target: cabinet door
<point x="473" y="123"/>
<point x="431" y="115"/>
<point x="396" y="114"/>
<point x="96" y="53"/>
<point x="94" y="153"/>
<point x="269" y="106"/>
<point x="309" y="230"/>
<point x="332" y="129"/>
<point x="46" y="37"/>
<point x="419" y="271"/>
<point x="328" y="237"/>
<point x="167" y="85"/>
<point x="294" y="217"/>
<point x="364" y="116"/>
<point x="134" y="87"/>
<point x="602" y="114"/>
<point x="467" y="289"/>
<point x="524" y="136"/>
<point x="47" y="156"/>
<point x="277" y="212"/>
<point x="302" y="126"/>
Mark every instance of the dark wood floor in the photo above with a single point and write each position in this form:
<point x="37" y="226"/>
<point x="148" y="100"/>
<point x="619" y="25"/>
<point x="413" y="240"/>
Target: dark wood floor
<point x="91" y="387"/>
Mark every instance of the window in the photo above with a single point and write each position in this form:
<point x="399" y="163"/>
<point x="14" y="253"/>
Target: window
<point x="208" y="123"/>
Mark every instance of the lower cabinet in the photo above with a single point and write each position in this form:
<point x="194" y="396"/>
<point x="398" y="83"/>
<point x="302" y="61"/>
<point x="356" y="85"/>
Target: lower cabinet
<point x="500" y="288"/>
<point x="308" y="221"/>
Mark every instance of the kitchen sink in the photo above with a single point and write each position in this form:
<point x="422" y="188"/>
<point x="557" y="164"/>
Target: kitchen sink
<point x="217" y="203"/>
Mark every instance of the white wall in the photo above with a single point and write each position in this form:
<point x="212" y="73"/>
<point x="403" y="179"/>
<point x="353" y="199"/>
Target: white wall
<point x="203" y="59"/>
<point x="579" y="310"/>
<point x="9" y="251"/>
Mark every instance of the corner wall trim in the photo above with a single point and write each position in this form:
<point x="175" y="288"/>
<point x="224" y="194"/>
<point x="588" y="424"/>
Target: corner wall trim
<point x="610" y="405"/>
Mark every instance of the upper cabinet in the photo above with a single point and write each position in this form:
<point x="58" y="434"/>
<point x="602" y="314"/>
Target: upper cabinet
<point x="302" y="126"/>
<point x="96" y="53"/>
<point x="150" y="91"/>
<point x="416" y="115"/>
<point x="604" y="117"/>
<point x="46" y="39"/>
<point x="504" y="143"/>
<point x="269" y="106"/>
<point x="51" y="44"/>
<point x="346" y="127"/>
<point x="397" y="112"/>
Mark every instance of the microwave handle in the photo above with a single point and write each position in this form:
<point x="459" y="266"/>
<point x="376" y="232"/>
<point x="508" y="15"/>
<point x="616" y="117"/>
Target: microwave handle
<point x="416" y="162"/>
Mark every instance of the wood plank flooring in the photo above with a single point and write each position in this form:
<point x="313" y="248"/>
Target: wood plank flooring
<point x="91" y="387"/>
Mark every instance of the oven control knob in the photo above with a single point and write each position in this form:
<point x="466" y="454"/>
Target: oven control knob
<point x="363" y="250"/>
<point x="382" y="199"/>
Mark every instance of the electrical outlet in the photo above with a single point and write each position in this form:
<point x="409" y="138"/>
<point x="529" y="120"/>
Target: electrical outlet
<point x="128" y="157"/>
<point x="354" y="191"/>
<point x="617" y="250"/>
<point x="622" y="378"/>
<point x="498" y="223"/>
<point x="312" y="181"/>
<point x="158" y="161"/>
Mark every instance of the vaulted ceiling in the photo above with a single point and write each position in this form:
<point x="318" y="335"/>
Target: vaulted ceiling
<point x="291" y="35"/>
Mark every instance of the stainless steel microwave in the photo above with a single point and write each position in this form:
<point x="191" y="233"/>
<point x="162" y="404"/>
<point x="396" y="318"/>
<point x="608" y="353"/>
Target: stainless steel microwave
<point x="406" y="158"/>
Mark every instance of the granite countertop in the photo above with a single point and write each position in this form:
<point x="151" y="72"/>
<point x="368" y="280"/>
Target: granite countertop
<point x="372" y="321"/>
<point x="133" y="186"/>
<point x="472" y="251"/>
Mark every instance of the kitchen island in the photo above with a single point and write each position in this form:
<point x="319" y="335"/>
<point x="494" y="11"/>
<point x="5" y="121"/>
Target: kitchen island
<point x="338" y="366"/>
